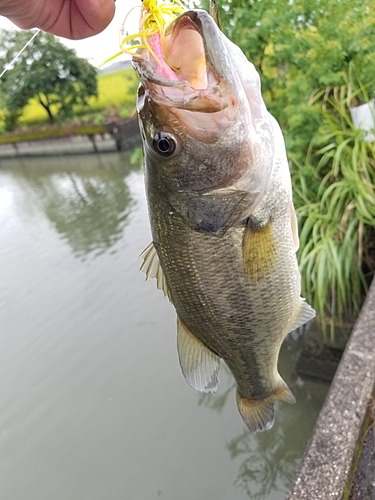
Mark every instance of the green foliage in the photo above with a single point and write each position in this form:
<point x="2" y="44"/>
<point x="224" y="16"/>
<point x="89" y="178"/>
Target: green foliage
<point x="136" y="158"/>
<point x="47" y="72"/>
<point x="116" y="97"/>
<point x="299" y="48"/>
<point x="335" y="198"/>
<point x="307" y="53"/>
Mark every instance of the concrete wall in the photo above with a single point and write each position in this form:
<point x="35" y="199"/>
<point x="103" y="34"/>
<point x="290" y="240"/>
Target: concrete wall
<point x="326" y="467"/>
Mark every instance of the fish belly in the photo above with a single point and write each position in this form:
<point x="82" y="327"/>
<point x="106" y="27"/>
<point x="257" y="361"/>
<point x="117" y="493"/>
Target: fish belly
<point x="241" y="316"/>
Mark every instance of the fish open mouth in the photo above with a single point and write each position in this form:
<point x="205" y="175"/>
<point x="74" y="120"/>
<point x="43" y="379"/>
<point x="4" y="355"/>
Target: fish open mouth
<point x="185" y="53"/>
<point x="186" y="72"/>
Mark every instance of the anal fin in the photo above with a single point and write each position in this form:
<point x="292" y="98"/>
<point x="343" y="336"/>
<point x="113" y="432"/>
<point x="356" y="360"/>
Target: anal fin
<point x="200" y="366"/>
<point x="305" y="313"/>
<point x="151" y="266"/>
<point x="259" y="414"/>
<point x="294" y="226"/>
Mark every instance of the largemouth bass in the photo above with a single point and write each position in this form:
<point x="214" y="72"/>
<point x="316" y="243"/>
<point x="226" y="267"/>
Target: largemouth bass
<point x="222" y="218"/>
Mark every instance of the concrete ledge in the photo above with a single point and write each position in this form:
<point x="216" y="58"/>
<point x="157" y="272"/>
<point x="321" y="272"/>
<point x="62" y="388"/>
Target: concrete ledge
<point x="326" y="466"/>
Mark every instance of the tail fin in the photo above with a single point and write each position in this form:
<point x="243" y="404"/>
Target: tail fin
<point x="259" y="414"/>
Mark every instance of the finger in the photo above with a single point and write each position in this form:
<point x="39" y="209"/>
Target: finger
<point x="90" y="17"/>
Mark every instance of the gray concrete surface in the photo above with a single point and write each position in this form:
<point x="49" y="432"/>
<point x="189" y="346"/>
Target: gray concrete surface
<point x="326" y="467"/>
<point x="363" y="484"/>
<point x="62" y="146"/>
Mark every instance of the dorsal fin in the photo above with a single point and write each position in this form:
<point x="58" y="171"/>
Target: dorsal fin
<point x="151" y="266"/>
<point x="215" y="14"/>
<point x="199" y="365"/>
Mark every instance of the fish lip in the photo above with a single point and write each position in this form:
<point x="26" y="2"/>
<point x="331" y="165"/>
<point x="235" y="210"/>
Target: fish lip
<point x="215" y="97"/>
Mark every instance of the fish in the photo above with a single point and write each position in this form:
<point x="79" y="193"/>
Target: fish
<point x="224" y="228"/>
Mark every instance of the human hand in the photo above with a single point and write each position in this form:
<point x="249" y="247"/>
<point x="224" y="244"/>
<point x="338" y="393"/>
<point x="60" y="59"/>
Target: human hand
<point x="74" y="19"/>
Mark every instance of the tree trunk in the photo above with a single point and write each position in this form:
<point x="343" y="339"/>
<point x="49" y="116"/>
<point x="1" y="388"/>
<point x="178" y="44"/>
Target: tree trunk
<point x="48" y="109"/>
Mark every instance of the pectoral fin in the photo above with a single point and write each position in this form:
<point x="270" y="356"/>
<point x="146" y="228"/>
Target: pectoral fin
<point x="305" y="313"/>
<point x="200" y="366"/>
<point x="259" y="250"/>
<point x="151" y="266"/>
<point x="259" y="414"/>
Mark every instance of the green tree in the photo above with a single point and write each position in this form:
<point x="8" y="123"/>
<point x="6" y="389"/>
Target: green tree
<point x="46" y="71"/>
<point x="300" y="48"/>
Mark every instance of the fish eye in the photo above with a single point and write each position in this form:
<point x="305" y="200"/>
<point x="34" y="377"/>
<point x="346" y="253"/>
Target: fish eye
<point x="164" y="144"/>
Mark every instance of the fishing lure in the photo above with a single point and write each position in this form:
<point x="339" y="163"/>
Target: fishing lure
<point x="154" y="19"/>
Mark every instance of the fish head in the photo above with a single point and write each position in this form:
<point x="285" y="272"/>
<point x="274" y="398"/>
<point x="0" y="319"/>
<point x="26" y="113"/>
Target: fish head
<point x="204" y="125"/>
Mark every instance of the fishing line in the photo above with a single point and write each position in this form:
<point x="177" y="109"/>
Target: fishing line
<point x="8" y="66"/>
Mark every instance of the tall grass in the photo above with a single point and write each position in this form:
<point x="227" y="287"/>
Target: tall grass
<point x="335" y="199"/>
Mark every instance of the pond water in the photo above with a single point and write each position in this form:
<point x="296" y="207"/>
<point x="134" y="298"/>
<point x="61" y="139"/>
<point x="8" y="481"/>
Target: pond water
<point x="93" y="405"/>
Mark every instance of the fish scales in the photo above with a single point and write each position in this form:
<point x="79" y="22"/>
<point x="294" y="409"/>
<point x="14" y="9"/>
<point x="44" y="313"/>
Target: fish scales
<point x="221" y="213"/>
<point x="219" y="303"/>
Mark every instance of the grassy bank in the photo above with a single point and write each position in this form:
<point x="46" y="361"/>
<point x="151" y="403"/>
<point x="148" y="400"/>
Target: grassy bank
<point x="51" y="133"/>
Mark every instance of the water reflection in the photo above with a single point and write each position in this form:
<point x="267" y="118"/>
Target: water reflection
<point x="267" y="461"/>
<point x="88" y="206"/>
<point x="88" y="365"/>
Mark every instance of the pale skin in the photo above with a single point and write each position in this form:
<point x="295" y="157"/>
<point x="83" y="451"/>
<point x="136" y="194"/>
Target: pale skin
<point x="74" y="19"/>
